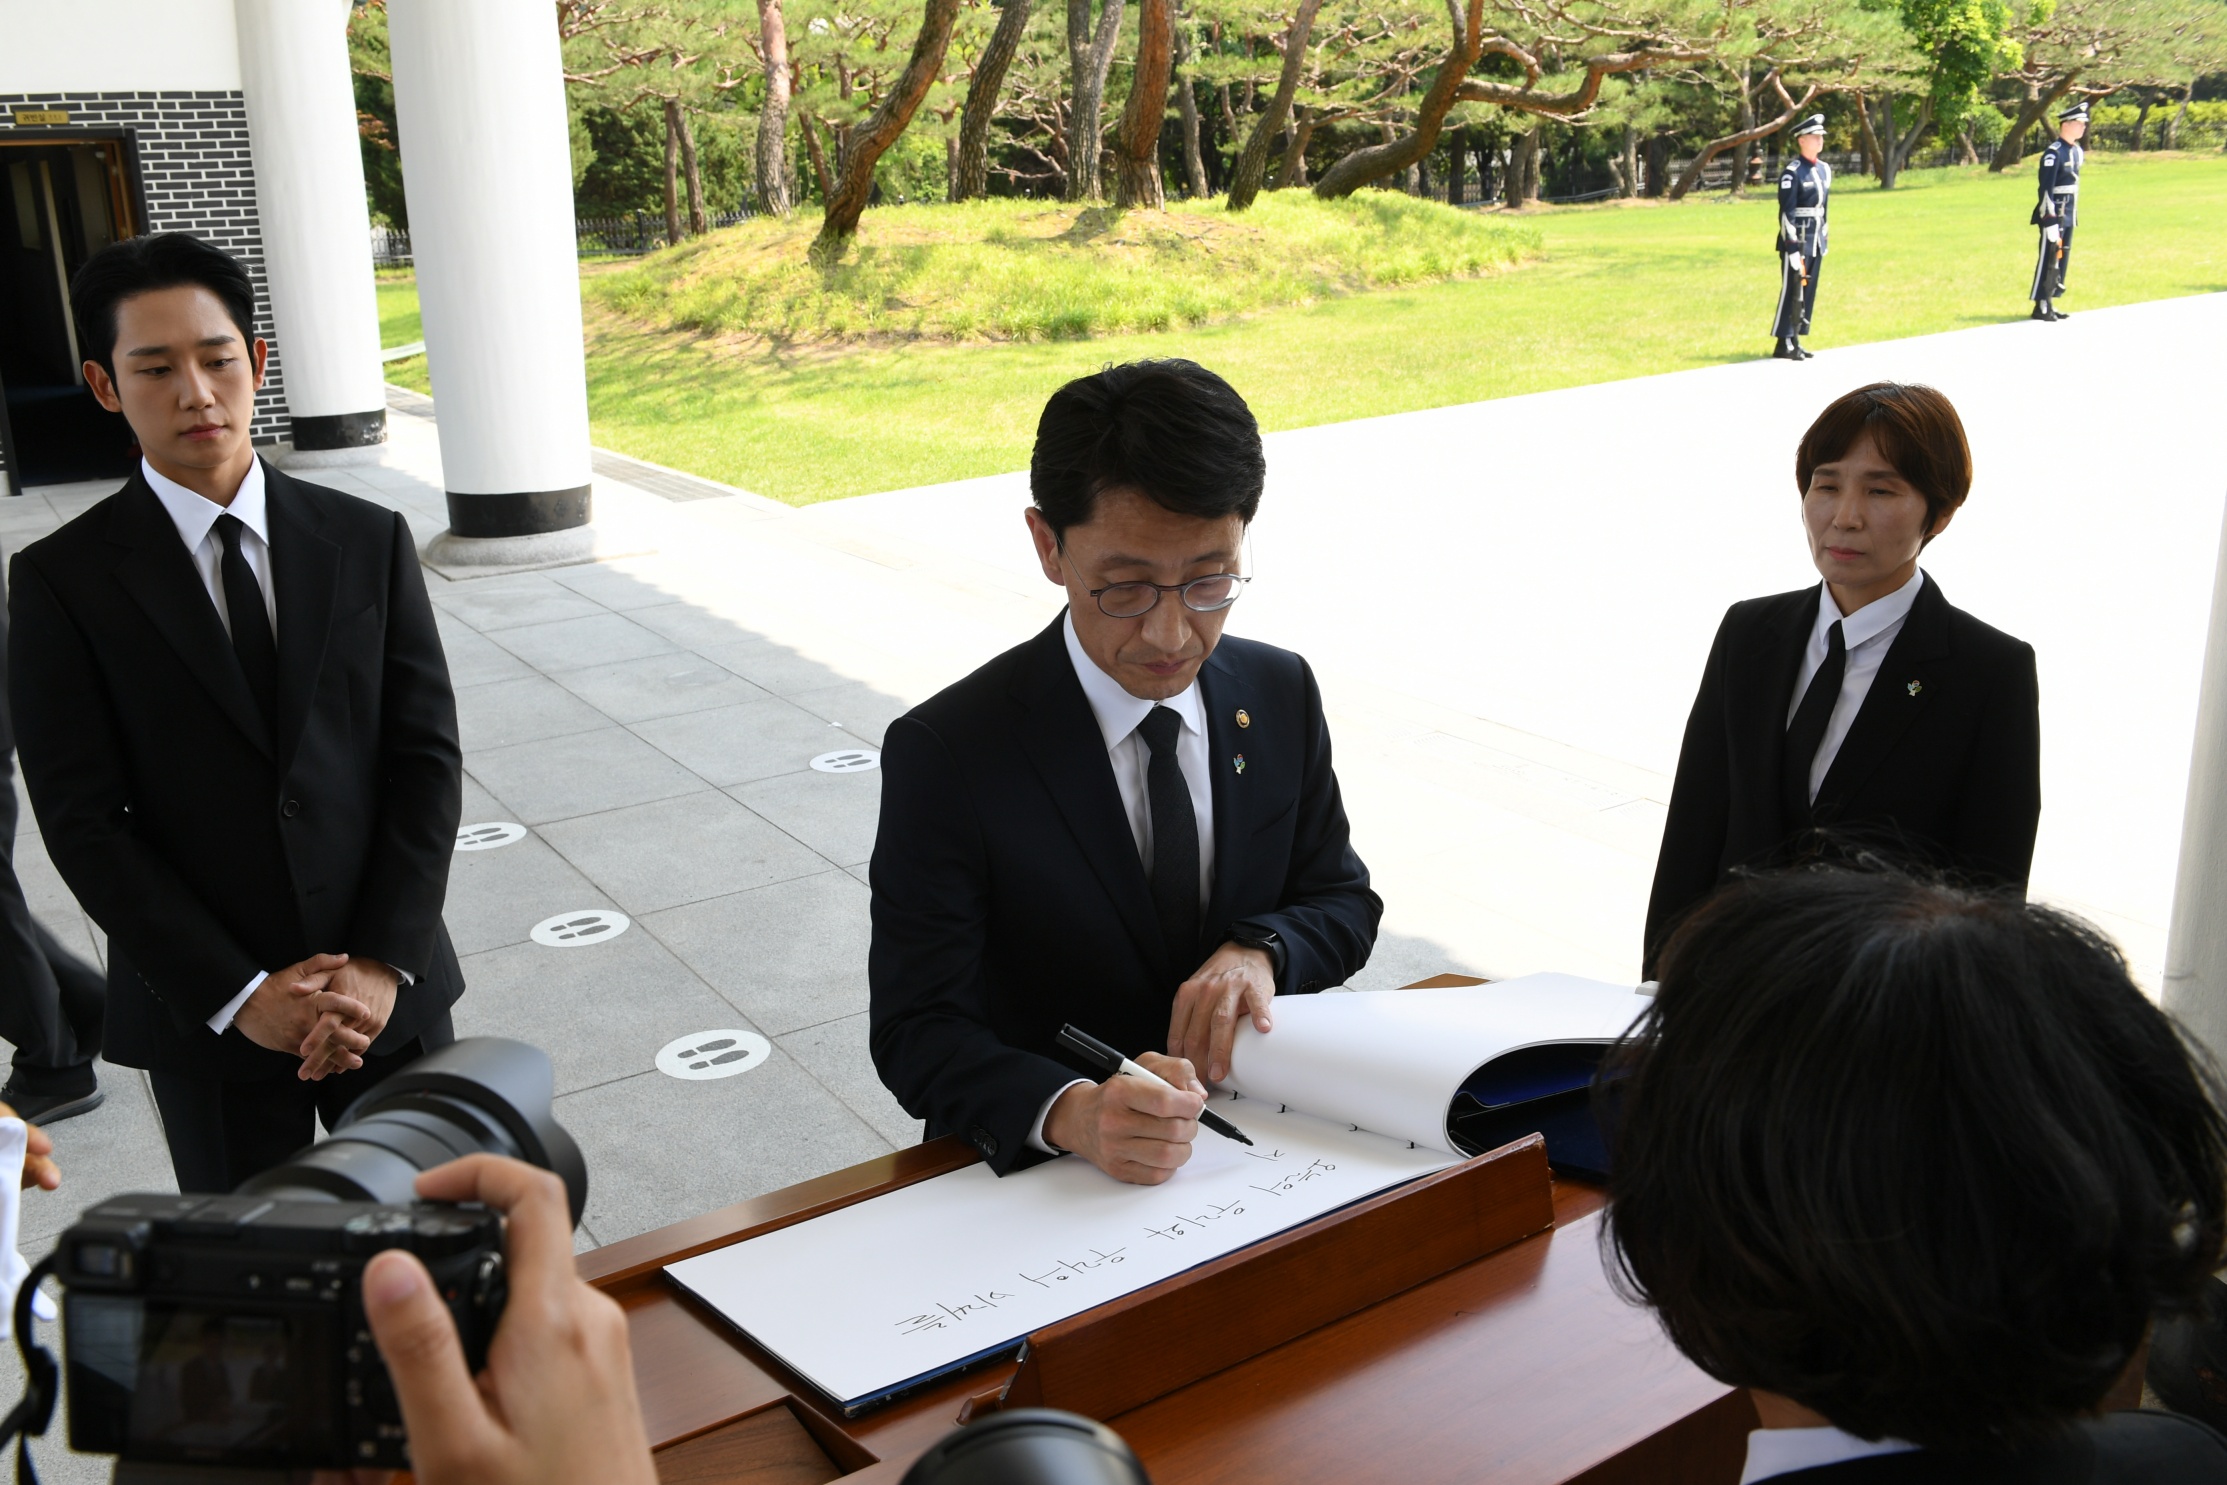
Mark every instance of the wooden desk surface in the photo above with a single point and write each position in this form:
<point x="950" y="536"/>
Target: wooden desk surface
<point x="1522" y="1368"/>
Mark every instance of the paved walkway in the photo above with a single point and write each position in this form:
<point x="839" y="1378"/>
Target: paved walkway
<point x="1508" y="603"/>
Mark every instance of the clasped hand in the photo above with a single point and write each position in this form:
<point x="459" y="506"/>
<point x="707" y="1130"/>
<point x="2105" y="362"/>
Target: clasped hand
<point x="327" y="1010"/>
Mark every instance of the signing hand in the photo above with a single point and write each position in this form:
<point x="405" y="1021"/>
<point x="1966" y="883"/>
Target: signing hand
<point x="1204" y="1022"/>
<point x="556" y="1405"/>
<point x="39" y="1168"/>
<point x="1132" y="1130"/>
<point x="354" y="1006"/>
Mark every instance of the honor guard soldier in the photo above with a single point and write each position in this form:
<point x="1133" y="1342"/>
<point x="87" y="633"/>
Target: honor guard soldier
<point x="1803" y="187"/>
<point x="2057" y="210"/>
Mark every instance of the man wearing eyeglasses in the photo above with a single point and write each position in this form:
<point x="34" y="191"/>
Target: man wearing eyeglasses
<point x="1129" y="823"/>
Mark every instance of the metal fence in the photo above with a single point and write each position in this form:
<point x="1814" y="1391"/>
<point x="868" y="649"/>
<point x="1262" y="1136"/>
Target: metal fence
<point x="594" y="237"/>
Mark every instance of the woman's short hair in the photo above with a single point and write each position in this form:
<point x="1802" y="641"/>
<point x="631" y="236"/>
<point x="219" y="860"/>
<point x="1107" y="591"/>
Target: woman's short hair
<point x="1917" y="431"/>
<point x="1170" y="430"/>
<point x="1922" y="1159"/>
<point x="140" y="265"/>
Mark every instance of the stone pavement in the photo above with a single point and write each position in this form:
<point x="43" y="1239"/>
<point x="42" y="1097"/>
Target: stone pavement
<point x="1508" y="604"/>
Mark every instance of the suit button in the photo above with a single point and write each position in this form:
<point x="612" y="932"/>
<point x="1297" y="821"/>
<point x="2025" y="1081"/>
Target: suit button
<point x="291" y="808"/>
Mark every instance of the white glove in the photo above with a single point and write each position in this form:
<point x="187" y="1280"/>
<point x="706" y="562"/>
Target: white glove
<point x="12" y="1267"/>
<point x="2053" y="233"/>
<point x="1793" y="262"/>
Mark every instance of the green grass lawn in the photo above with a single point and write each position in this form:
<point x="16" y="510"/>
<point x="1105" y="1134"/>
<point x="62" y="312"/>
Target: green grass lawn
<point x="398" y="307"/>
<point x="1620" y="291"/>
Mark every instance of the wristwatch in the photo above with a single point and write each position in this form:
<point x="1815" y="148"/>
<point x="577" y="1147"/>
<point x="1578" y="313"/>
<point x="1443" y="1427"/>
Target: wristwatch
<point x="1268" y="943"/>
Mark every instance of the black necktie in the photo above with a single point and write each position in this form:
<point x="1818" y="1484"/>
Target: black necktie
<point x="251" y="622"/>
<point x="1175" y="841"/>
<point x="1806" y="733"/>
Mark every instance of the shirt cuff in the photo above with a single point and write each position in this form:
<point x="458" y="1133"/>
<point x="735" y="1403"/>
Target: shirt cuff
<point x="1036" y="1140"/>
<point x="219" y="1022"/>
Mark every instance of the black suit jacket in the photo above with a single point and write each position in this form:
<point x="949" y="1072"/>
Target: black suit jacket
<point x="1009" y="898"/>
<point x="1941" y="768"/>
<point x="205" y="852"/>
<point x="2132" y="1448"/>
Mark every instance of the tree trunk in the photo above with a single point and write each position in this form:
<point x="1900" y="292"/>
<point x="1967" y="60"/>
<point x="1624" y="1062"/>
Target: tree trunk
<point x="818" y="157"/>
<point x="1292" y="169"/>
<point x="1482" y="152"/>
<point x="773" y="118"/>
<point x="2141" y="122"/>
<point x="1531" y="165"/>
<point x="1187" y="111"/>
<point x="2038" y="102"/>
<point x="865" y="143"/>
<point x="1870" y="156"/>
<point x="1909" y="145"/>
<point x="1523" y="167"/>
<point x="1364" y="165"/>
<point x="1967" y="153"/>
<point x="1890" y="162"/>
<point x="1137" y="179"/>
<point x="672" y="172"/>
<point x="1628" y="187"/>
<point x="1252" y="161"/>
<point x="2173" y="124"/>
<point x="697" y="226"/>
<point x="1739" y="183"/>
<point x="1088" y="58"/>
<point x="1658" y="166"/>
<point x="971" y="177"/>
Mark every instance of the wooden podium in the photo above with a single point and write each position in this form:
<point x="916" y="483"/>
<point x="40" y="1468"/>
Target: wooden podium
<point x="1456" y="1329"/>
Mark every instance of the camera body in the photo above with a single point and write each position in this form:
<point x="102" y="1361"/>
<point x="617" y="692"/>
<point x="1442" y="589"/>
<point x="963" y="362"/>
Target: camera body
<point x="230" y="1329"/>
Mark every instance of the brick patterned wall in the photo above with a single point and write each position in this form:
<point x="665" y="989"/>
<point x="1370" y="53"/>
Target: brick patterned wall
<point x="191" y="152"/>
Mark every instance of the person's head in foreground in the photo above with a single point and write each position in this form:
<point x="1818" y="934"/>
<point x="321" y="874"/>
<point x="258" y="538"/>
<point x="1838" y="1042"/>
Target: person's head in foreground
<point x="2073" y="122"/>
<point x="1882" y="472"/>
<point x="1144" y="478"/>
<point x="1917" y="1163"/>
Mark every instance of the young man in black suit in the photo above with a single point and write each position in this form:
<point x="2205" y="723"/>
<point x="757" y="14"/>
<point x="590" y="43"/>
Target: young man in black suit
<point x="1129" y="823"/>
<point x="1865" y="710"/>
<point x="235" y="722"/>
<point x="1918" y="1167"/>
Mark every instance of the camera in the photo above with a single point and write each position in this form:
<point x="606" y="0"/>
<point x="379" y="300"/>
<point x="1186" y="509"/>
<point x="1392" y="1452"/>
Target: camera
<point x="230" y="1330"/>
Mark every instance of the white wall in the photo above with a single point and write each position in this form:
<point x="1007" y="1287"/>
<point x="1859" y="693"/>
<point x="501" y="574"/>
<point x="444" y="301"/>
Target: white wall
<point x="117" y="46"/>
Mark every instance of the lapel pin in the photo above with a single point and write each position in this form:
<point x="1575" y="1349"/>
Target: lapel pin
<point x="1914" y="687"/>
<point x="1243" y="720"/>
<point x="1240" y="762"/>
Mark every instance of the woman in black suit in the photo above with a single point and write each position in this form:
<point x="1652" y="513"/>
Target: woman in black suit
<point x="1866" y="709"/>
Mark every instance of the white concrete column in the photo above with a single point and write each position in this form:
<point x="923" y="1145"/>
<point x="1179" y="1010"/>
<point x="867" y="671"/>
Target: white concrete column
<point x="487" y="166"/>
<point x="2196" y="945"/>
<point x="301" y="119"/>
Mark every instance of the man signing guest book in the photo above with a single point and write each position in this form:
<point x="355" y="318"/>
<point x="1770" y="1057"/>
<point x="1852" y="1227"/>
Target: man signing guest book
<point x="237" y="730"/>
<point x="1128" y="824"/>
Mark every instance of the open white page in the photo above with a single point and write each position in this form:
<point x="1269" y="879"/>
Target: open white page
<point x="1392" y="1060"/>
<point x="876" y="1295"/>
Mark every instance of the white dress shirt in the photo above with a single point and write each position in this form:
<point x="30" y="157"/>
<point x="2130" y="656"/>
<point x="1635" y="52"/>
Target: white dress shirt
<point x="1781" y="1451"/>
<point x="1868" y="634"/>
<point x="195" y="516"/>
<point x="1118" y="715"/>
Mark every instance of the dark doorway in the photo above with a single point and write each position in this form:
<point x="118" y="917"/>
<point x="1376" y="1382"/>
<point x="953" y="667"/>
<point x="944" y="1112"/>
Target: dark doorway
<point x="61" y="200"/>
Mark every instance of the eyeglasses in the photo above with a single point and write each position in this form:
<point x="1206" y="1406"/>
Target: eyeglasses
<point x="1204" y="595"/>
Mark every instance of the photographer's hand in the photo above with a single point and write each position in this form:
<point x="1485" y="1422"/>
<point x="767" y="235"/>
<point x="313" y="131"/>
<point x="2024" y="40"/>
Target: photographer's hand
<point x="39" y="1168"/>
<point x="556" y="1404"/>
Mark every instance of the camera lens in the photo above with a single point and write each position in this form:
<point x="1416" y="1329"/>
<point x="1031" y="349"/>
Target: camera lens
<point x="482" y="1095"/>
<point x="1029" y="1446"/>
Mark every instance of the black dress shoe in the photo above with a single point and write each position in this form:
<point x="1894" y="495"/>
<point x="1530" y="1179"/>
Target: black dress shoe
<point x="2057" y="314"/>
<point x="2041" y="310"/>
<point x="1786" y="350"/>
<point x="1803" y="354"/>
<point x="50" y="1108"/>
